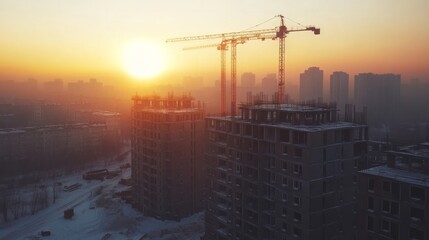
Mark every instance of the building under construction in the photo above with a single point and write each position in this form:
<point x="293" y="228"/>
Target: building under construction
<point x="394" y="198"/>
<point x="167" y="156"/>
<point x="282" y="171"/>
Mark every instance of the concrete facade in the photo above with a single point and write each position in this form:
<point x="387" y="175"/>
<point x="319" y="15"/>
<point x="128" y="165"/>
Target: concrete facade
<point x="394" y="198"/>
<point x="167" y="156"/>
<point x="46" y="147"/>
<point x="283" y="172"/>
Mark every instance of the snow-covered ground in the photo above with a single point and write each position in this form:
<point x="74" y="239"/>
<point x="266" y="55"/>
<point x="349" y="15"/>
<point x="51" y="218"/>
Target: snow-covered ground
<point x="98" y="214"/>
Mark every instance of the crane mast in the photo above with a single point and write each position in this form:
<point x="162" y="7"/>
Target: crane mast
<point x="234" y="38"/>
<point x="222" y="48"/>
<point x="233" y="77"/>
<point x="281" y="34"/>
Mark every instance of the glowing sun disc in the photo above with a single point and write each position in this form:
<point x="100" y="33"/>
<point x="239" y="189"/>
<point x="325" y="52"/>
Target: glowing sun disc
<point x="143" y="59"/>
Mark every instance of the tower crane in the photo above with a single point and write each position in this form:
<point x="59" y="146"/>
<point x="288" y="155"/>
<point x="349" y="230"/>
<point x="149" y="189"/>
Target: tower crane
<point x="281" y="35"/>
<point x="223" y="47"/>
<point x="234" y="38"/>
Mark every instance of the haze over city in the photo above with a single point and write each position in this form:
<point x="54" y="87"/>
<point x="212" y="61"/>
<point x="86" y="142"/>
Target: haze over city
<point x="214" y="120"/>
<point x="86" y="39"/>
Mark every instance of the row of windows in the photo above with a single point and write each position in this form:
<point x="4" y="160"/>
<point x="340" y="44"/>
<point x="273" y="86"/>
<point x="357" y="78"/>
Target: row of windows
<point x="159" y="117"/>
<point x="416" y="193"/>
<point x="392" y="228"/>
<point x="284" y="135"/>
<point x="392" y="207"/>
<point x="296" y="231"/>
<point x="267" y="133"/>
<point x="387" y="206"/>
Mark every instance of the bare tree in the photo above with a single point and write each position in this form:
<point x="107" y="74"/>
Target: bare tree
<point x="55" y="192"/>
<point x="15" y="205"/>
<point x="23" y="210"/>
<point x="35" y="199"/>
<point x="4" y="203"/>
<point x="44" y="198"/>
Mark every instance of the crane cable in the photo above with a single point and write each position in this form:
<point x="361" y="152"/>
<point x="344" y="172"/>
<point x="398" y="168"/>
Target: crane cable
<point x="294" y="21"/>
<point x="257" y="25"/>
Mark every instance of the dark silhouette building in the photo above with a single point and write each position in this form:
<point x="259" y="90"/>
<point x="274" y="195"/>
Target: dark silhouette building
<point x="339" y="91"/>
<point x="283" y="172"/>
<point x="380" y="93"/>
<point x="167" y="156"/>
<point x="269" y="85"/>
<point x="248" y="80"/>
<point x="29" y="149"/>
<point x="311" y="85"/>
<point x="394" y="198"/>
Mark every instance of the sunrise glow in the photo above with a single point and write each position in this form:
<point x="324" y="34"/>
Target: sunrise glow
<point x="143" y="60"/>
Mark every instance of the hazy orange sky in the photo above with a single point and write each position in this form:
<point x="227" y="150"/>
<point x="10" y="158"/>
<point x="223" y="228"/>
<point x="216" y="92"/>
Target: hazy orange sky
<point x="82" y="39"/>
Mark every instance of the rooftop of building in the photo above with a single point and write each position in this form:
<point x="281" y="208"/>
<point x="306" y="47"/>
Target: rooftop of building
<point x="171" y="103"/>
<point x="399" y="175"/>
<point x="309" y="118"/>
<point x="302" y="127"/>
<point x="320" y="127"/>
<point x="165" y="111"/>
<point x="291" y="107"/>
<point x="420" y="150"/>
<point x="106" y="114"/>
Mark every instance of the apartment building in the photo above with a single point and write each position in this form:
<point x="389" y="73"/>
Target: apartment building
<point x="45" y="147"/>
<point x="283" y="172"/>
<point x="167" y="156"/>
<point x="394" y="198"/>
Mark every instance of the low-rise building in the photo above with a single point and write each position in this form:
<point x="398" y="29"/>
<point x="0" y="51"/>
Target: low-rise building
<point x="45" y="147"/>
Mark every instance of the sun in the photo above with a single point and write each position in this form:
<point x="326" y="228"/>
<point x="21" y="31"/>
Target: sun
<point x="143" y="60"/>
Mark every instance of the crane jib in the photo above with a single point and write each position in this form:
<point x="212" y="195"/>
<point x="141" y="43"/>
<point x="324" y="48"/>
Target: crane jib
<point x="234" y="38"/>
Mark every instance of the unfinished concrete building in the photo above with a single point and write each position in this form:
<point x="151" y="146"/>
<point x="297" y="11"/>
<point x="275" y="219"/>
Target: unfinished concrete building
<point x="167" y="156"/>
<point x="283" y="172"/>
<point x="394" y="198"/>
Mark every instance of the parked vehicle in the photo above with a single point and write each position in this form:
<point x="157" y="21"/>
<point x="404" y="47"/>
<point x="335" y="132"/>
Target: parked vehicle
<point x="69" y="213"/>
<point x="45" y="233"/>
<point x="72" y="187"/>
<point x="96" y="175"/>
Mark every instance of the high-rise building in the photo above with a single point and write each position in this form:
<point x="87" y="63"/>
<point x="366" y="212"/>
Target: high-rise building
<point x="54" y="90"/>
<point x="292" y="91"/>
<point x="248" y="86"/>
<point x="311" y="85"/>
<point x="339" y="91"/>
<point x="81" y="88"/>
<point x="283" y="172"/>
<point x="248" y="80"/>
<point x="194" y="83"/>
<point x="269" y="85"/>
<point x="414" y="98"/>
<point x="380" y="94"/>
<point x="394" y="198"/>
<point x="167" y="156"/>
